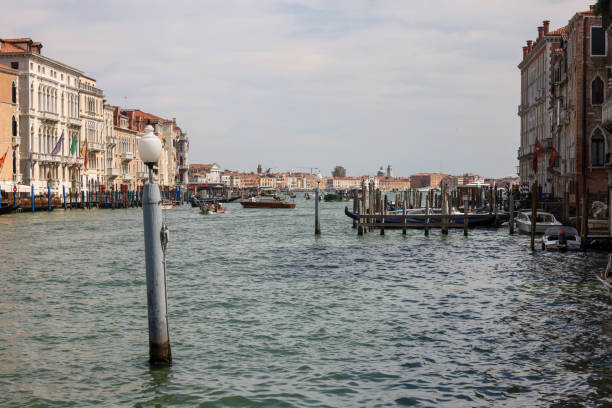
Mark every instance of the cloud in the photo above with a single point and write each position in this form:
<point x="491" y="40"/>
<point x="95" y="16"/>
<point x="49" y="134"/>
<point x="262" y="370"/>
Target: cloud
<point x="418" y="84"/>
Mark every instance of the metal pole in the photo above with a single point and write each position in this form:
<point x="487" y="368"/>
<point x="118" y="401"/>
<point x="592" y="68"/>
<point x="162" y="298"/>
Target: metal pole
<point x="317" y="225"/>
<point x="155" y="235"/>
<point x="15" y="195"/>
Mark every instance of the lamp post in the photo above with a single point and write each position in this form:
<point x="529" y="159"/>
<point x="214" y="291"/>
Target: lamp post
<point x="156" y="241"/>
<point x="317" y="225"/>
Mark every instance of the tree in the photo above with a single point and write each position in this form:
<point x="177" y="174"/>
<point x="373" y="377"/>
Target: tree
<point x="339" y="171"/>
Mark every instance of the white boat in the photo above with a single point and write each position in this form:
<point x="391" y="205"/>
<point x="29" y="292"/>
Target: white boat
<point x="561" y="238"/>
<point x="605" y="277"/>
<point x="543" y="220"/>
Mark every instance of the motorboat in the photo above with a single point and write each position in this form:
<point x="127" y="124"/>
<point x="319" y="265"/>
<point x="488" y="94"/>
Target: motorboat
<point x="605" y="277"/>
<point x="215" y="208"/>
<point x="254" y="202"/>
<point x="167" y="204"/>
<point x="561" y="238"/>
<point x="544" y="220"/>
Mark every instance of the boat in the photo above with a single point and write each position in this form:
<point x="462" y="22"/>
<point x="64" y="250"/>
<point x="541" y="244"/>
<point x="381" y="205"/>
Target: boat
<point x="395" y="219"/>
<point x="7" y="208"/>
<point x="306" y="196"/>
<point x="212" y="209"/>
<point x="336" y="196"/>
<point x="544" y="220"/>
<point x="167" y="204"/>
<point x="219" y="199"/>
<point x="561" y="238"/>
<point x="605" y="277"/>
<point x="266" y="203"/>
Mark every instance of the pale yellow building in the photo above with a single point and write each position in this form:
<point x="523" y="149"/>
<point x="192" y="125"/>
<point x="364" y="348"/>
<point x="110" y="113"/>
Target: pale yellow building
<point x="91" y="111"/>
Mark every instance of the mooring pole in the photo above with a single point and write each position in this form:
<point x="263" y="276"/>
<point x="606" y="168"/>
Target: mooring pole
<point x="49" y="196"/>
<point x="317" y="225"/>
<point x="465" y="215"/>
<point x="511" y="222"/>
<point x="64" y="194"/>
<point x="156" y="241"/>
<point x="534" y="203"/>
<point x="15" y="195"/>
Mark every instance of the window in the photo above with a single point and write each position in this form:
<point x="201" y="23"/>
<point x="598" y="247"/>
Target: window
<point x="14" y="127"/>
<point x="598" y="148"/>
<point x="14" y="93"/>
<point x="15" y="65"/>
<point x="597" y="91"/>
<point x="598" y="41"/>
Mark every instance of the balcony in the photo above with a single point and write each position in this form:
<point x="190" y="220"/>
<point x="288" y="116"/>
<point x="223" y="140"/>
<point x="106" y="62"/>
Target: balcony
<point x="111" y="141"/>
<point x="94" y="146"/>
<point x="54" y="117"/>
<point x="127" y="156"/>
<point x="142" y="175"/>
<point x="16" y="140"/>
<point x="520" y="109"/>
<point x="91" y="89"/>
<point x="112" y="172"/>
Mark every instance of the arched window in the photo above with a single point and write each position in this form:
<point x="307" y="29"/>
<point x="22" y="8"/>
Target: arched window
<point x="597" y="91"/>
<point x="14" y="93"/>
<point x="39" y="98"/>
<point x="14" y="127"/>
<point x="598" y="148"/>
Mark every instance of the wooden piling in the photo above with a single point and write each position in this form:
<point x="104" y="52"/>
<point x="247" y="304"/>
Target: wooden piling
<point x="444" y="210"/>
<point x="383" y="210"/>
<point x="511" y="208"/>
<point x="355" y="206"/>
<point x="404" y="214"/>
<point x="534" y="203"/>
<point x="427" y="219"/>
<point x="465" y="217"/>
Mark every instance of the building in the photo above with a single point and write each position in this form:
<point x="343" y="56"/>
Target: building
<point x="394" y="183"/>
<point x="389" y="171"/>
<point x="534" y="112"/>
<point x="49" y="120"/>
<point x="422" y="180"/>
<point x="125" y="152"/>
<point x="9" y="128"/>
<point x="342" y="183"/>
<point x="111" y="155"/>
<point x="91" y="112"/>
<point x="204" y="173"/>
<point x="182" y="155"/>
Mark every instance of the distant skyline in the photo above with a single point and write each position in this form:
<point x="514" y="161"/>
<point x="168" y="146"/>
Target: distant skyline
<point x="423" y="86"/>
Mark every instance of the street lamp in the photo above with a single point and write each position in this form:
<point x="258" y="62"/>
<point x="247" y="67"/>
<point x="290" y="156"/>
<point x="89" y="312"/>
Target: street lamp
<point x="156" y="241"/>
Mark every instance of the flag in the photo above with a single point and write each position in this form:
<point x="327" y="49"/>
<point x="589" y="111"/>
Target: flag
<point x="85" y="155"/>
<point x="537" y="150"/>
<point x="2" y="158"/>
<point x="553" y="157"/>
<point x="73" y="148"/>
<point x="58" y="146"/>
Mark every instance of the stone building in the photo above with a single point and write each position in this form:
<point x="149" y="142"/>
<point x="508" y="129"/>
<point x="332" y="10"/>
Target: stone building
<point x="534" y="110"/>
<point x="49" y="111"/>
<point x="422" y="180"/>
<point x="9" y="128"/>
<point x="91" y="103"/>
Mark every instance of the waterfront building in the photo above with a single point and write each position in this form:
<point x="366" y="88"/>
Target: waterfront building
<point x="49" y="111"/>
<point x="182" y="154"/>
<point x="536" y="99"/>
<point x="387" y="183"/>
<point x="267" y="181"/>
<point x="9" y="128"/>
<point x="342" y="183"/>
<point x="125" y="151"/>
<point x="111" y="155"/>
<point x="422" y="180"/>
<point x="204" y="173"/>
<point x="91" y="104"/>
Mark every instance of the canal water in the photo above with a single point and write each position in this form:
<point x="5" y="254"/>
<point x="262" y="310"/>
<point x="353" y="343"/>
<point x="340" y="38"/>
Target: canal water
<point x="263" y="314"/>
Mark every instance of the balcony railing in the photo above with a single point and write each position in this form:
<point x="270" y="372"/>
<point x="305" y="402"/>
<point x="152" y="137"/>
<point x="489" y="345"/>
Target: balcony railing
<point x="127" y="156"/>
<point x="49" y="116"/>
<point x="112" y="172"/>
<point x="86" y="87"/>
<point x="94" y="146"/>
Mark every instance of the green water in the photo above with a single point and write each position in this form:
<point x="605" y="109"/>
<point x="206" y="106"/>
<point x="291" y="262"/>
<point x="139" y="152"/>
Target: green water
<point x="263" y="314"/>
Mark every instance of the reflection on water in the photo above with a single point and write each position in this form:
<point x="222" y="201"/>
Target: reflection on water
<point x="263" y="313"/>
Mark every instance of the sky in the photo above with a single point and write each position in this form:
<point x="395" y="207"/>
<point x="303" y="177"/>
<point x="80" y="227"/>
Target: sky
<point x="298" y="85"/>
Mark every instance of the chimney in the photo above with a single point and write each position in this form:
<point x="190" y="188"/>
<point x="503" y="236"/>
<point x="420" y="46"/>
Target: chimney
<point x="524" y="52"/>
<point x="540" y="32"/>
<point x="529" y="46"/>
<point x="546" y="24"/>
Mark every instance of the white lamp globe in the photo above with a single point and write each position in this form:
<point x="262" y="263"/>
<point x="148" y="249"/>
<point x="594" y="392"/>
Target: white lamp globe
<point x="149" y="147"/>
<point x="319" y="177"/>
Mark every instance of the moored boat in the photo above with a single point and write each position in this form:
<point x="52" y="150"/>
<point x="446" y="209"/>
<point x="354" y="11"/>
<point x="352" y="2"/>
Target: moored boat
<point x="560" y="238"/>
<point x="266" y="203"/>
<point x="543" y="220"/>
<point x="336" y="196"/>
